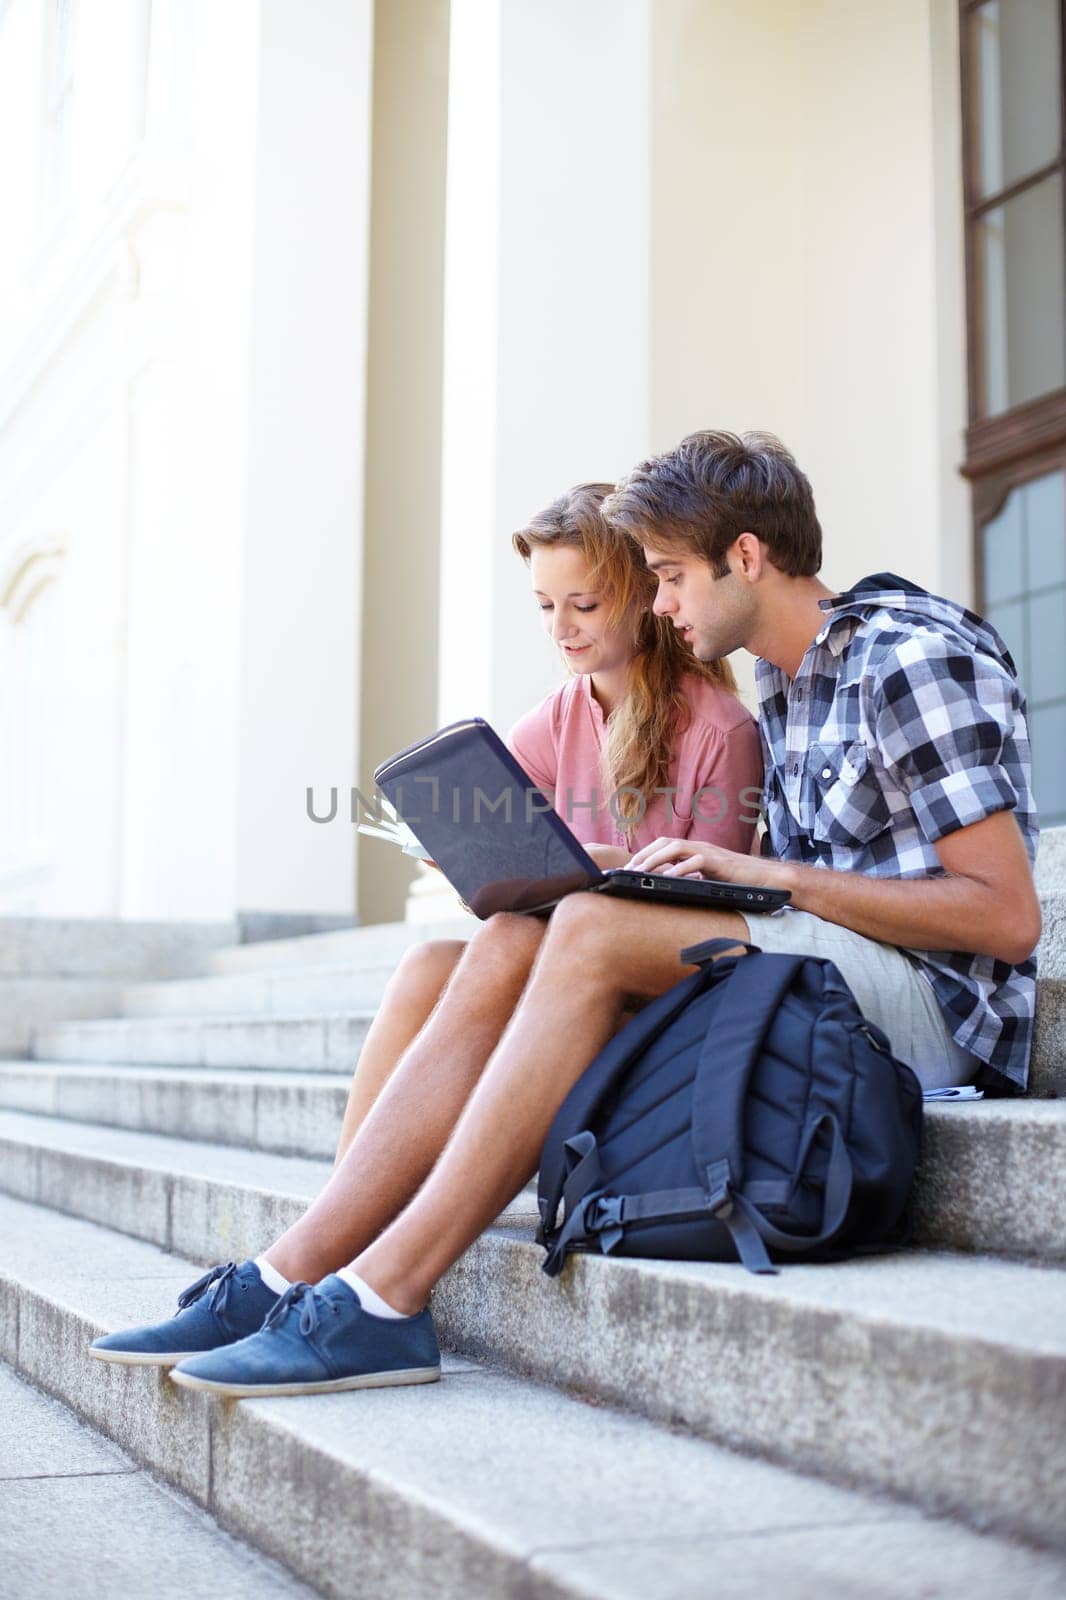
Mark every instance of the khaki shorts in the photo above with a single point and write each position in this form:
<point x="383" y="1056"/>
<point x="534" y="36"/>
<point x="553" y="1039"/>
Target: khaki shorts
<point x="891" y="991"/>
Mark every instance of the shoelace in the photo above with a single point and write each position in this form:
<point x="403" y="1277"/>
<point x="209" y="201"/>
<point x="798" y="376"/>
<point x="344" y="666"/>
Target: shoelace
<point x="221" y="1277"/>
<point x="309" y="1308"/>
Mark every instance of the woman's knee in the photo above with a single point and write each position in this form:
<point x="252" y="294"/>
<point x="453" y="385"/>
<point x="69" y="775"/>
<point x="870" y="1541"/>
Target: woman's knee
<point x="424" y="970"/>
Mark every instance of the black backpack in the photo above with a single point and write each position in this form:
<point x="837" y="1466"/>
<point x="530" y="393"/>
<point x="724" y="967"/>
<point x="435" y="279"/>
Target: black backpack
<point x="752" y="1105"/>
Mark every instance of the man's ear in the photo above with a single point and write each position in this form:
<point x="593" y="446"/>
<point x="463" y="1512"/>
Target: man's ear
<point x="749" y="557"/>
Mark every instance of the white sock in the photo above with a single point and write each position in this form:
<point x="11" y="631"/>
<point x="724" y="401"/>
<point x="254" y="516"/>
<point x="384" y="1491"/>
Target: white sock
<point x="271" y="1276"/>
<point x="368" y="1299"/>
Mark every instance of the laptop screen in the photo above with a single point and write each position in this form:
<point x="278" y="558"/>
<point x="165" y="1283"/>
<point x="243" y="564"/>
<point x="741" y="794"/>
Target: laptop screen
<point x="484" y="822"/>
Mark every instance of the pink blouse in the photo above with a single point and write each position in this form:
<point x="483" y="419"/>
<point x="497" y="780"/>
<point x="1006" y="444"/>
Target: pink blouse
<point x="716" y="772"/>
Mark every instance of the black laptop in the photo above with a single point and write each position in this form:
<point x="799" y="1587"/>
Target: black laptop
<point x="502" y="847"/>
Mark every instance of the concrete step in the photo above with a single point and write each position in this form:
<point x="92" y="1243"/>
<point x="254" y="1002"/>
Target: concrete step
<point x="351" y="950"/>
<point x="184" y="1195"/>
<point x="288" y="1113"/>
<point x="80" y="1517"/>
<point x="1051" y="951"/>
<point x="99" y="947"/>
<point x="483" y="1485"/>
<point x="1051" y="859"/>
<point x="993" y="1176"/>
<point x="378" y="942"/>
<point x="296" y="991"/>
<point x="939" y="1377"/>
<point x="1047" y="1069"/>
<point x="330" y="1042"/>
<point x="25" y="1003"/>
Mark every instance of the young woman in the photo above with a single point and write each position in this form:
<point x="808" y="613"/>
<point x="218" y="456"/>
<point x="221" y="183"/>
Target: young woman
<point x="642" y="741"/>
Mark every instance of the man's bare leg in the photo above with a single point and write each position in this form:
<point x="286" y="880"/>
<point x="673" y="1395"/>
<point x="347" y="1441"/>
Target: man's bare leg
<point x="410" y="996"/>
<point x="415" y="1113"/>
<point x="595" y="955"/>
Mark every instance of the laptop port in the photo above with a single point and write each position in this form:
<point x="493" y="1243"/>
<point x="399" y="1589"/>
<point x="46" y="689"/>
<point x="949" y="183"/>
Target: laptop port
<point x="647" y="883"/>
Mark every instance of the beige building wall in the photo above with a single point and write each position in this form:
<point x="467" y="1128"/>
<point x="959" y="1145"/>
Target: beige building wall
<point x="807" y="270"/>
<point x="398" y="669"/>
<point x="781" y="196"/>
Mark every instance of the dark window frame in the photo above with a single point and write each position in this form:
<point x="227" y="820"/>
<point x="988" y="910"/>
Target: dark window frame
<point x="1002" y="450"/>
<point x="1005" y="451"/>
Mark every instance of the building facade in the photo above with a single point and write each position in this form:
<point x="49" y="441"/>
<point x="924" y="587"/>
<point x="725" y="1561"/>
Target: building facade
<point x="304" y="308"/>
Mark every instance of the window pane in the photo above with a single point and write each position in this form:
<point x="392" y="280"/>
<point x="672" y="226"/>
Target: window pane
<point x="1020" y="248"/>
<point x="1045" y="530"/>
<point x="1016" y="46"/>
<point x="1047" y="646"/>
<point x="1004" y="552"/>
<point x="1047" y="731"/>
<point x="1010" y="622"/>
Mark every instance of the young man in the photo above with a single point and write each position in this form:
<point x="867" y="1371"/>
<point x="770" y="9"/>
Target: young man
<point x="900" y="817"/>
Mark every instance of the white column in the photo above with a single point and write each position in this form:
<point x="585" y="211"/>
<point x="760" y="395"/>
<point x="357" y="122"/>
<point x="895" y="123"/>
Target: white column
<point x="187" y="409"/>
<point x="546" y="342"/>
<point x="300" y="617"/>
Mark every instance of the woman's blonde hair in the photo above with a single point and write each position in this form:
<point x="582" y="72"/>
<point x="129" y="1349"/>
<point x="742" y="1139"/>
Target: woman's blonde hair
<point x="643" y="730"/>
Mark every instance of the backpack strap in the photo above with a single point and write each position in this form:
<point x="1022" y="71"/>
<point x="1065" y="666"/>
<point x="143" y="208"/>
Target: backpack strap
<point x="728" y="1057"/>
<point x="578" y="1110"/>
<point x="756" y="990"/>
<point x="699" y="955"/>
<point x="727" y="1060"/>
<point x="581" y="1159"/>
<point x="837" y="1196"/>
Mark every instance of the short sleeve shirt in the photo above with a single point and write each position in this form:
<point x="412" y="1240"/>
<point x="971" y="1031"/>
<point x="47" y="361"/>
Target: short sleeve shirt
<point x="905" y="722"/>
<point x="715" y="776"/>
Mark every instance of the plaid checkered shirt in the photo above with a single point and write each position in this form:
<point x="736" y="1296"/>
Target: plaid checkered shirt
<point x="905" y="722"/>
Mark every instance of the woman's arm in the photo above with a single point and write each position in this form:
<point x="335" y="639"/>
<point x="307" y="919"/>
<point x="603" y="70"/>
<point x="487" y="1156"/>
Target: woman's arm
<point x="608" y="855"/>
<point x="725" y="786"/>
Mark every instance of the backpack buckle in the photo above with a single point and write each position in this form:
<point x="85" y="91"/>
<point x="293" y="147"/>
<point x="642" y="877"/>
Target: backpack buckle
<point x="719" y="1189"/>
<point x="603" y="1211"/>
<point x="603" y="1216"/>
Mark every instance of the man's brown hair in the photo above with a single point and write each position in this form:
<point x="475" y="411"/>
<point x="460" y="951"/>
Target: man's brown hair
<point x="716" y="486"/>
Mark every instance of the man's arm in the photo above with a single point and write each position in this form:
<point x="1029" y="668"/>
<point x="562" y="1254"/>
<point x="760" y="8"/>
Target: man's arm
<point x="985" y="905"/>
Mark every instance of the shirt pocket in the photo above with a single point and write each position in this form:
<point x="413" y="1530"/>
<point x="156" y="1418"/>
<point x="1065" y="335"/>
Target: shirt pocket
<point x="849" y="806"/>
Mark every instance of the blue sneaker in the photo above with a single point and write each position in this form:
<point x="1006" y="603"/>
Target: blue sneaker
<point x="316" y="1341"/>
<point x="221" y="1307"/>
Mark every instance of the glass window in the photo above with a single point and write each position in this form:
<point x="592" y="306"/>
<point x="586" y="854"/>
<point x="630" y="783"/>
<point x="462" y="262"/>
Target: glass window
<point x="1017" y="49"/>
<point x="1009" y="621"/>
<point x="1012" y="70"/>
<point x="1024" y="548"/>
<point x="1044" y="501"/>
<point x="1024" y="293"/>
<point x="1014" y="178"/>
<point x="1047" y="645"/>
<point x="1004" y="537"/>
<point x="1047" y="729"/>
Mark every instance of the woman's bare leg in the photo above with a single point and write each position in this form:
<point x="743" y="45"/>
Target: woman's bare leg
<point x="406" y="1006"/>
<point x="597" y="956"/>
<point x="412" y="1118"/>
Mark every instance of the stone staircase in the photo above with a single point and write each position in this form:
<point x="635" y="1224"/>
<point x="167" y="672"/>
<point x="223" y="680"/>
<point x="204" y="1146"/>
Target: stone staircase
<point x="889" y="1427"/>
